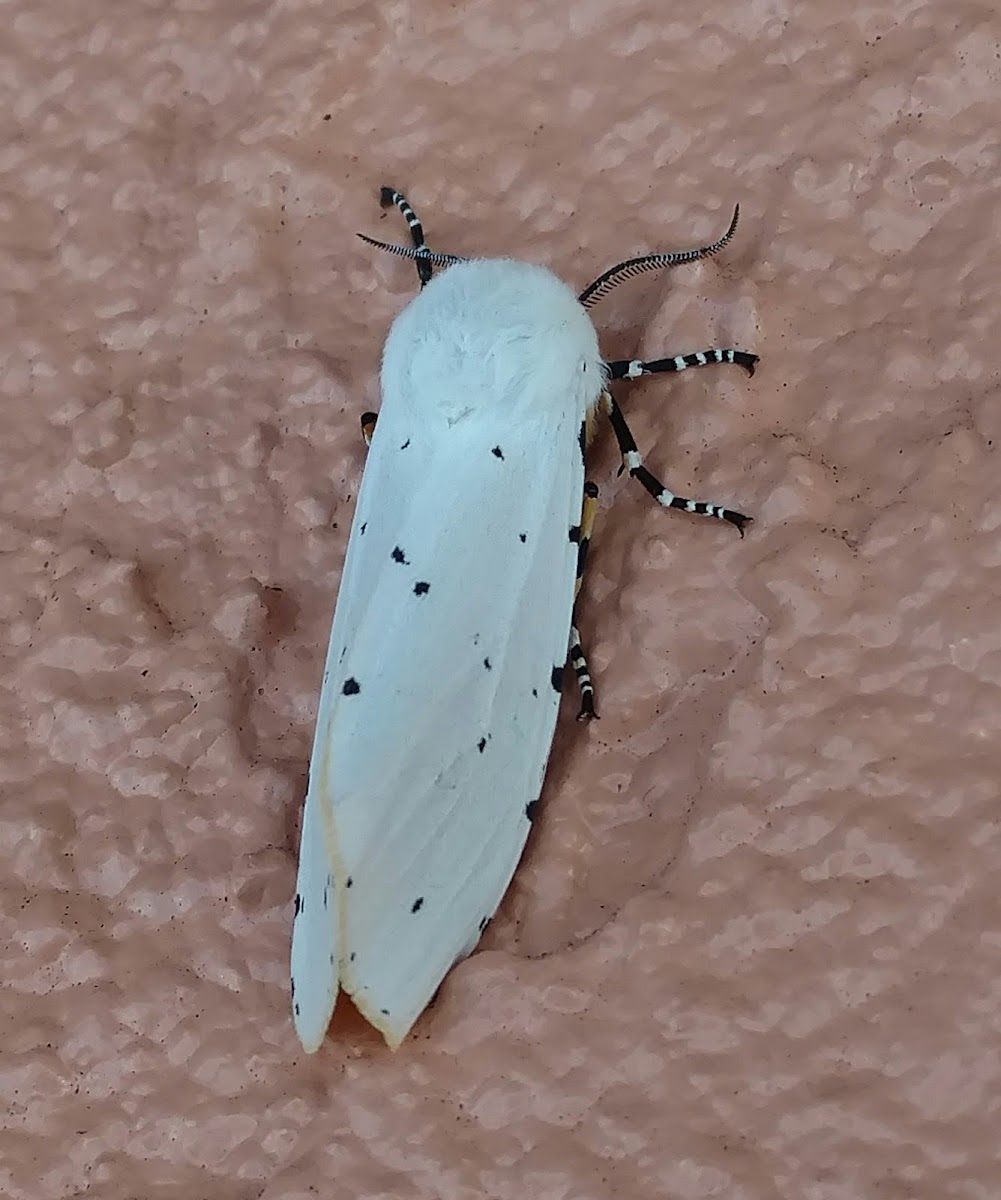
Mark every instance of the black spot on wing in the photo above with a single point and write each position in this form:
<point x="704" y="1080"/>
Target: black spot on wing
<point x="535" y="691"/>
<point x="351" y="687"/>
<point x="298" y="904"/>
<point x="497" y="452"/>
<point x="522" y="537"/>
<point x="364" y="526"/>
<point x="556" y="679"/>
<point x="483" y="923"/>
<point x="384" y="1011"/>
<point x="575" y="533"/>
<point x="292" y="986"/>
<point x="532" y="809"/>
<point x="297" y="1010"/>
<point x="486" y="663"/>
<point x="481" y="745"/>
<point x="421" y="588"/>
<point x="417" y="905"/>
<point x="405" y="444"/>
<point x="352" y="957"/>
<point x="398" y="556"/>
<point x="349" y="882"/>
<point x="582" y="438"/>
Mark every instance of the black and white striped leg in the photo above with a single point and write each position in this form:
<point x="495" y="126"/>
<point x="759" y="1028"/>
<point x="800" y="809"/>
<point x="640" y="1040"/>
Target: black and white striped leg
<point x="368" y="420"/>
<point x="635" y="368"/>
<point x="388" y="196"/>
<point x="632" y="462"/>
<point x="582" y="535"/>
<point x="584" y="685"/>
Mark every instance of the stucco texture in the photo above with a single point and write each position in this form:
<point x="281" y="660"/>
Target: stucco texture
<point x="754" y="947"/>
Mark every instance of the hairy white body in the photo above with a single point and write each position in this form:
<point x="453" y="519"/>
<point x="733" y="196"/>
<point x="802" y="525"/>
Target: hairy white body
<point x="440" y="690"/>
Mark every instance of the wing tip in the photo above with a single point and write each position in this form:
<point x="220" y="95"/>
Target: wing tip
<point x="312" y="1034"/>
<point x="308" y="1045"/>
<point x="394" y="1029"/>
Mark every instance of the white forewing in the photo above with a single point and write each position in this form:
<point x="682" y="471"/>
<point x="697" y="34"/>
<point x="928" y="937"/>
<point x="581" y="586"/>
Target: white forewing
<point x="315" y="933"/>
<point x="440" y="690"/>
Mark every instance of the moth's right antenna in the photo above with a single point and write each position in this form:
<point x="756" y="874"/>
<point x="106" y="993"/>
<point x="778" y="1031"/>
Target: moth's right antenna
<point x="651" y="262"/>
<point x="425" y="258"/>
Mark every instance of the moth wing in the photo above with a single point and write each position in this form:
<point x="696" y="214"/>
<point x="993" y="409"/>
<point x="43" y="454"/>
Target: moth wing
<point x="439" y="699"/>
<point x="315" y="932"/>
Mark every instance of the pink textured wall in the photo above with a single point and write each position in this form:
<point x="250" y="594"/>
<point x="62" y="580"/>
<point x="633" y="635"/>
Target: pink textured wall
<point x="754" y="949"/>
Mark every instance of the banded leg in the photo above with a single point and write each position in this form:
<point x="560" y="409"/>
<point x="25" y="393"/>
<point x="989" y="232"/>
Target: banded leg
<point x="577" y="659"/>
<point x="632" y="461"/>
<point x="635" y="368"/>
<point x="584" y="685"/>
<point x="388" y="196"/>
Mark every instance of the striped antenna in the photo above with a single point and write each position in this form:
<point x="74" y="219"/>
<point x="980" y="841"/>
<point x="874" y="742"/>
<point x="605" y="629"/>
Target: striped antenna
<point x="650" y="262"/>
<point x="432" y="256"/>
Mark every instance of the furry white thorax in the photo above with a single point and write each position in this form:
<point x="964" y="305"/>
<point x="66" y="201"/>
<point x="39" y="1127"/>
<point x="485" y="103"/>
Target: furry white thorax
<point x="492" y="332"/>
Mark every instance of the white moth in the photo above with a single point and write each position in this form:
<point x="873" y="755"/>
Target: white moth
<point x="453" y="623"/>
